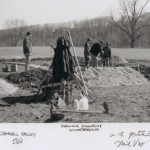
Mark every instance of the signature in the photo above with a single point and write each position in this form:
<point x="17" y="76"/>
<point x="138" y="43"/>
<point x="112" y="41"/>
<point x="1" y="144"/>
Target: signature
<point x="135" y="143"/>
<point x="131" y="139"/>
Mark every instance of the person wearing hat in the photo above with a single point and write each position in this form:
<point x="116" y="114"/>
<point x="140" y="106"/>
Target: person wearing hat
<point x="27" y="49"/>
<point x="106" y="54"/>
<point x="95" y="50"/>
<point x="86" y="52"/>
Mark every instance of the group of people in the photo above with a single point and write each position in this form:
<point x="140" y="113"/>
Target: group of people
<point x="98" y="50"/>
<point x="63" y="65"/>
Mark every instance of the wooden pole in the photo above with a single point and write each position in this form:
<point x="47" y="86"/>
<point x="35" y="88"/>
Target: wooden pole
<point x="77" y="61"/>
<point x="80" y="111"/>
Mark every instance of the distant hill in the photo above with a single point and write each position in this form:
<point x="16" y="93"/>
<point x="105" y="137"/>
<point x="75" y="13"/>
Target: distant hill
<point x="100" y="28"/>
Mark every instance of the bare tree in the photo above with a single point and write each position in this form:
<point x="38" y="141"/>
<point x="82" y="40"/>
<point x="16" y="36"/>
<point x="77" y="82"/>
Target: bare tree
<point x="15" y="28"/>
<point x="132" y="19"/>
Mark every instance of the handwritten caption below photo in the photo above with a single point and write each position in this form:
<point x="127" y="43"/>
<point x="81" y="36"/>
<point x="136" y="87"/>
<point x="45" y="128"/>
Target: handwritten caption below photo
<point x="82" y="127"/>
<point x="132" y="139"/>
<point x="17" y="137"/>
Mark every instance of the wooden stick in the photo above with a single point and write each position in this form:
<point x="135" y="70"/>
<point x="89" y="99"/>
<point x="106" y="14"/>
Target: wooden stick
<point x="80" y="81"/>
<point x="47" y="74"/>
<point x="80" y="111"/>
<point x="77" y="60"/>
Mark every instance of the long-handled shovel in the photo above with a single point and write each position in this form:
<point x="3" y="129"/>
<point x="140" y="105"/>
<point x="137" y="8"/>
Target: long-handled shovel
<point x="76" y="60"/>
<point x="85" y="90"/>
<point x="90" y="95"/>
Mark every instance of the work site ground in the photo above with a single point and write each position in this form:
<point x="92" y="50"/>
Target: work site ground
<point x="127" y="96"/>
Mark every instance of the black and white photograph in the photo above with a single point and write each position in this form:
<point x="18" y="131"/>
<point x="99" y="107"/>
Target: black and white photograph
<point x="75" y="63"/>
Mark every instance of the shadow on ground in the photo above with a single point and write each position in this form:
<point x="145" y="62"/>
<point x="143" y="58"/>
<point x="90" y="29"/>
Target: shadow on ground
<point x="23" y="99"/>
<point x="55" y="118"/>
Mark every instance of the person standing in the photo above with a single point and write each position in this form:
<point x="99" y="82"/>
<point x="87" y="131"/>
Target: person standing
<point x="95" y="50"/>
<point x="27" y="49"/>
<point x="106" y="55"/>
<point x="63" y="65"/>
<point x="87" y="52"/>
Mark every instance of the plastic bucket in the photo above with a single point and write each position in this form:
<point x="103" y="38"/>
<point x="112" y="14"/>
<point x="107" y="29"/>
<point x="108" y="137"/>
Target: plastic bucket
<point x="83" y="103"/>
<point x="76" y="105"/>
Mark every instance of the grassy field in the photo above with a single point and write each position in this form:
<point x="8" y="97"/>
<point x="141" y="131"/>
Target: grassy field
<point x="41" y="52"/>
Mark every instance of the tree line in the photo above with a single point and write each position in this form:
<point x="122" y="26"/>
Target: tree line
<point x="131" y="29"/>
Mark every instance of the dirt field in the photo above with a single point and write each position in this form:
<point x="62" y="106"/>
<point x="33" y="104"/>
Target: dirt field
<point x="126" y="103"/>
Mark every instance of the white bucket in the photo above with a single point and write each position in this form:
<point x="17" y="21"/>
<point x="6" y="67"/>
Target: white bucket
<point x="83" y="103"/>
<point x="76" y="105"/>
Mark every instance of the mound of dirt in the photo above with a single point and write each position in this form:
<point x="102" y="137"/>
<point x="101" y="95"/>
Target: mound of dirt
<point x="6" y="88"/>
<point x="113" y="76"/>
<point x="118" y="61"/>
<point x="25" y="79"/>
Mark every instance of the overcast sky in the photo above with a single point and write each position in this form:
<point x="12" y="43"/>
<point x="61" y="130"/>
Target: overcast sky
<point x="53" y="11"/>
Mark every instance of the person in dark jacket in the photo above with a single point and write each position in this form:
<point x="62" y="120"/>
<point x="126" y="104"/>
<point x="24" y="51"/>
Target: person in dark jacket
<point x="106" y="55"/>
<point x="95" y="50"/>
<point x="87" y="52"/>
<point x="27" y="49"/>
<point x="63" y="64"/>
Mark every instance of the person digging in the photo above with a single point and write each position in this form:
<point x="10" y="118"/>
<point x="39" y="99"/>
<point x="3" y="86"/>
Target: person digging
<point x="95" y="52"/>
